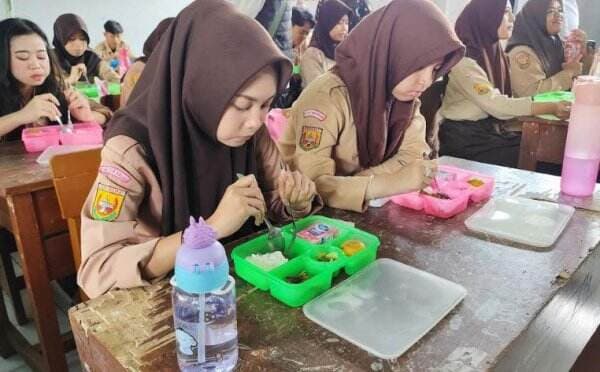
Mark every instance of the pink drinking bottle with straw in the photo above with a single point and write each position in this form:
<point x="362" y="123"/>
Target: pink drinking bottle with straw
<point x="582" y="151"/>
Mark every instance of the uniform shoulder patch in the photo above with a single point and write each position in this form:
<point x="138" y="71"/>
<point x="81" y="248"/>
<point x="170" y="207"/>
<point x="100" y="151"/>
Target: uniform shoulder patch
<point x="320" y="116"/>
<point x="108" y="202"/>
<point x="115" y="174"/>
<point x="310" y="138"/>
<point x="482" y="88"/>
<point x="523" y="60"/>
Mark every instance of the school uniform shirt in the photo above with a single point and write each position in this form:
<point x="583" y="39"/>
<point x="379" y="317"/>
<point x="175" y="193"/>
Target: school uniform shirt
<point x="107" y="54"/>
<point x="130" y="80"/>
<point x="527" y="74"/>
<point x="313" y="64"/>
<point x="470" y="96"/>
<point x="320" y="141"/>
<point x="121" y="218"/>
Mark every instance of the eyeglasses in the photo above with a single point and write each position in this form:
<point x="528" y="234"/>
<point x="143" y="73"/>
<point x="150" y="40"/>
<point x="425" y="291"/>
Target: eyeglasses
<point x="555" y="12"/>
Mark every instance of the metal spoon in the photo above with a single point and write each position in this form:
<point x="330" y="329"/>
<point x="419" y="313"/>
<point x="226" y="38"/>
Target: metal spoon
<point x="275" y="239"/>
<point x="64" y="128"/>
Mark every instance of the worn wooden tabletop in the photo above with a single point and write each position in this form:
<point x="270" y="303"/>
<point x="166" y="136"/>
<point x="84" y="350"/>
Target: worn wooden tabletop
<point x="19" y="170"/>
<point x="508" y="286"/>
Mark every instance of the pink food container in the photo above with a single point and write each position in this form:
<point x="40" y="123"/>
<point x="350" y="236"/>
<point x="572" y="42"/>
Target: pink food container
<point x="39" y="138"/>
<point x="83" y="134"/>
<point x="480" y="187"/>
<point x="412" y="200"/>
<point x="445" y="208"/>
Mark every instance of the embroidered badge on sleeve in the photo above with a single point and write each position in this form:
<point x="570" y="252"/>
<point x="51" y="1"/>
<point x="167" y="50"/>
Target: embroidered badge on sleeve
<point x="310" y="138"/>
<point x="108" y="203"/>
<point x="482" y="89"/>
<point x="320" y="116"/>
<point x="523" y="60"/>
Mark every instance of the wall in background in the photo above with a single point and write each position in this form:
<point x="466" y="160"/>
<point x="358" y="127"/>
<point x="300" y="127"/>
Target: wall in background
<point x="138" y="17"/>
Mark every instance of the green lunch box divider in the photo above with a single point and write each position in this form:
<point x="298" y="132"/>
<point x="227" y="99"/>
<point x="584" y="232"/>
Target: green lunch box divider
<point x="295" y="295"/>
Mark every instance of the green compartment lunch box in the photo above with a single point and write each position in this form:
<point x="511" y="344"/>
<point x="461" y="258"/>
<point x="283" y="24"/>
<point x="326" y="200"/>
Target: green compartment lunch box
<point x="311" y="266"/>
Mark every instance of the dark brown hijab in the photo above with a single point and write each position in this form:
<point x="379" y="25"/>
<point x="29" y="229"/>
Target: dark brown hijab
<point x="64" y="27"/>
<point x="208" y="53"/>
<point x="154" y="37"/>
<point x="383" y="49"/>
<point x="530" y="30"/>
<point x="330" y="15"/>
<point x="477" y="27"/>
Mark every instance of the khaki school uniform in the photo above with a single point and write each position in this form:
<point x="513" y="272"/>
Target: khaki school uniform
<point x="130" y="80"/>
<point x="107" y="54"/>
<point x="527" y="74"/>
<point x="320" y="141"/>
<point x="470" y="96"/>
<point x="121" y="218"/>
<point x="313" y="64"/>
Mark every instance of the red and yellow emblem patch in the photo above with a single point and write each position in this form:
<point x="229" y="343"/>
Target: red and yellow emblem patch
<point x="310" y="138"/>
<point x="108" y="203"/>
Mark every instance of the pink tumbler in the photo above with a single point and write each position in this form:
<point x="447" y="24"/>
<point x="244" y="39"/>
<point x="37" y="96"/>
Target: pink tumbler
<point x="582" y="151"/>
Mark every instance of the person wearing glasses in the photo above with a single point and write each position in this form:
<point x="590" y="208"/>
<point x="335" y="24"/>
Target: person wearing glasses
<point x="538" y="62"/>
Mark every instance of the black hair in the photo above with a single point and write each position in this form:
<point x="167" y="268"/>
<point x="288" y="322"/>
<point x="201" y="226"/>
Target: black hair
<point x="301" y="16"/>
<point x="11" y="99"/>
<point x="113" y="27"/>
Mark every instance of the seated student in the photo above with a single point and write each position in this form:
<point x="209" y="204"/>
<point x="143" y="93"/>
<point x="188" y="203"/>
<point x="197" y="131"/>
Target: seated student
<point x="357" y="130"/>
<point x="135" y="71"/>
<point x="175" y="151"/>
<point x="331" y="29"/>
<point x="113" y="42"/>
<point x="32" y="90"/>
<point x="359" y="10"/>
<point x="478" y="97"/>
<point x="78" y="62"/>
<point x="302" y="23"/>
<point x="536" y="53"/>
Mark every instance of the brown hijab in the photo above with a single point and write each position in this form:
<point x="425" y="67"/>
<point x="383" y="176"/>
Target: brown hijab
<point x="477" y="27"/>
<point x="329" y="16"/>
<point x="154" y="37"/>
<point x="64" y="27"/>
<point x="530" y="30"/>
<point x="204" y="58"/>
<point x="383" y="49"/>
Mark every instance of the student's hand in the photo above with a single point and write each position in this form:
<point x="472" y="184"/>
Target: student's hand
<point x="579" y="36"/>
<point x="412" y="177"/>
<point x="296" y="190"/>
<point x="562" y="109"/>
<point x="77" y="72"/>
<point x="573" y="66"/>
<point x="41" y="106"/>
<point x="79" y="106"/>
<point x="242" y="200"/>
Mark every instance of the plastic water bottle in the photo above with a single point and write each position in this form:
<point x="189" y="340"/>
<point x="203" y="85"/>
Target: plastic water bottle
<point x="124" y="62"/>
<point x="582" y="150"/>
<point x="204" y="308"/>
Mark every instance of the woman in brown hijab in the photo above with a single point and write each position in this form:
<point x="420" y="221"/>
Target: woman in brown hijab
<point x="71" y="47"/>
<point x="478" y="99"/>
<point x="331" y="29"/>
<point x="194" y="122"/>
<point x="357" y="130"/>
<point x="135" y="71"/>
<point x="536" y="52"/>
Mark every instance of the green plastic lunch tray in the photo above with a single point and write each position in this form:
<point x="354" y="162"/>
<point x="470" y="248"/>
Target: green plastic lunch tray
<point x="554" y="97"/>
<point x="303" y="258"/>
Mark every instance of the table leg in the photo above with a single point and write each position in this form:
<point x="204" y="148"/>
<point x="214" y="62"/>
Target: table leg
<point x="31" y="250"/>
<point x="529" y="144"/>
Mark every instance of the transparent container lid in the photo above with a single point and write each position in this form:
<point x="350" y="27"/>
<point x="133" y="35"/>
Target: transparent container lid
<point x="532" y="222"/>
<point x="385" y="308"/>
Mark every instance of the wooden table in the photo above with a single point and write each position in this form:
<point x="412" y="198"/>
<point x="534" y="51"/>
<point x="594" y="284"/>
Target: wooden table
<point x="29" y="209"/>
<point x="542" y="140"/>
<point x="516" y="317"/>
